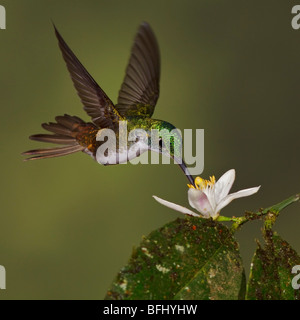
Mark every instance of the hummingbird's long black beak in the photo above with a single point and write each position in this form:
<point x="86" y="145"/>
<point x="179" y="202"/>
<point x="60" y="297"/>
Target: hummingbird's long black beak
<point x="186" y="172"/>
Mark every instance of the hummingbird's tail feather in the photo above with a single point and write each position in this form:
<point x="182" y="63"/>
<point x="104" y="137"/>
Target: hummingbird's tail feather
<point x="67" y="131"/>
<point x="51" y="152"/>
<point x="54" y="138"/>
<point x="56" y="128"/>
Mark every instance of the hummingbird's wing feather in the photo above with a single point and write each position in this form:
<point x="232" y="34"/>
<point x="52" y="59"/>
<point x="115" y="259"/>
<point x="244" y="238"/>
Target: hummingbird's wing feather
<point x="140" y="88"/>
<point x="96" y="103"/>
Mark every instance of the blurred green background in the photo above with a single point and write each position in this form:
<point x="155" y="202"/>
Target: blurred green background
<point x="230" y="67"/>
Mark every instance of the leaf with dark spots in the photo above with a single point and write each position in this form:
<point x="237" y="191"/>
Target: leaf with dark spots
<point x="271" y="270"/>
<point x="188" y="258"/>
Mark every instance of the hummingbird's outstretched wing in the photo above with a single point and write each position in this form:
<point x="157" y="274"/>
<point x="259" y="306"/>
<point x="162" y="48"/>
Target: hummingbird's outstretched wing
<point x="140" y="88"/>
<point x="96" y="103"/>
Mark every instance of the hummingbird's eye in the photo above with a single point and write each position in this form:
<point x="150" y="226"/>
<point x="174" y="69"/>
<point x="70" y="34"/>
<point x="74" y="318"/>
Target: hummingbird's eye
<point x="160" y="143"/>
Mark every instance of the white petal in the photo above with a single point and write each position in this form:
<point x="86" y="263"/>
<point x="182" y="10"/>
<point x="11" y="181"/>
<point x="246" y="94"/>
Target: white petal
<point x="199" y="201"/>
<point x="223" y="185"/>
<point x="176" y="207"/>
<point x="239" y="194"/>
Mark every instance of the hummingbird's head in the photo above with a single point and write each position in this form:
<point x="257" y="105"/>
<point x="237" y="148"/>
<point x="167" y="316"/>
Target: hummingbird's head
<point x="167" y="140"/>
<point x="170" y="141"/>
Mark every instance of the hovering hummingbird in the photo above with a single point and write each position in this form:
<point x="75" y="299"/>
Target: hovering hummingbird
<point x="136" y="102"/>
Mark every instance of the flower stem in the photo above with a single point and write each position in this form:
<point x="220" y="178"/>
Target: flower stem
<point x="271" y="211"/>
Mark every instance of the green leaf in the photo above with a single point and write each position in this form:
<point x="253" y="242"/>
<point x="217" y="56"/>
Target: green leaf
<point x="188" y="258"/>
<point x="270" y="274"/>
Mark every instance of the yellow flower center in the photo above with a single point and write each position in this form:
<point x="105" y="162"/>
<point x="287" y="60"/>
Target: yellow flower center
<point x="202" y="183"/>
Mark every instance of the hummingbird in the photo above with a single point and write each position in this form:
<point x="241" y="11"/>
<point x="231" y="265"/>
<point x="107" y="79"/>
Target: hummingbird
<point x="136" y="103"/>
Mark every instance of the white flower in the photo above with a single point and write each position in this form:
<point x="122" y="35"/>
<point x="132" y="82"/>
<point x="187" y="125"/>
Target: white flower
<point x="209" y="196"/>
